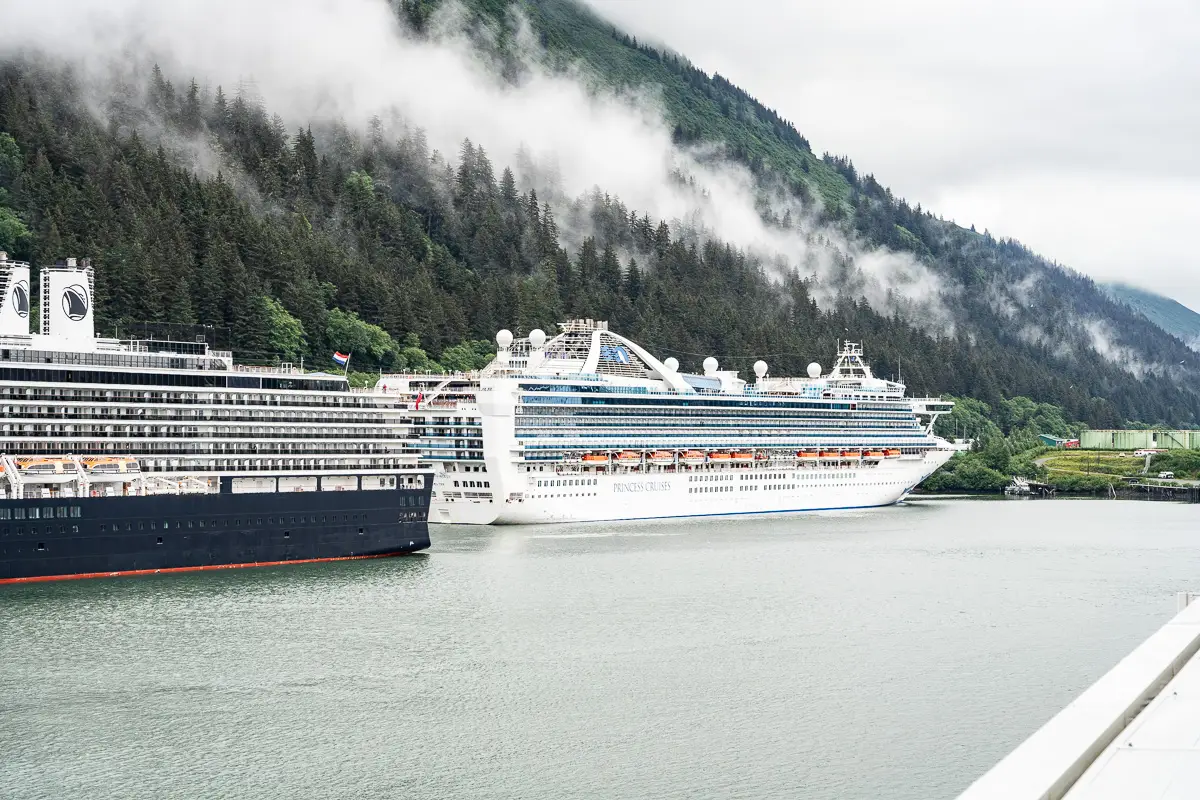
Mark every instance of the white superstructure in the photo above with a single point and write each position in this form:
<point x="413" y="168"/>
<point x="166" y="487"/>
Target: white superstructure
<point x="82" y="413"/>
<point x="589" y="426"/>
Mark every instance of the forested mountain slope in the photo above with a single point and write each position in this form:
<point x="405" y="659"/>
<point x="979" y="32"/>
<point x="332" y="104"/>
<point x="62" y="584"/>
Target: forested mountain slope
<point x="1170" y="315"/>
<point x="300" y="241"/>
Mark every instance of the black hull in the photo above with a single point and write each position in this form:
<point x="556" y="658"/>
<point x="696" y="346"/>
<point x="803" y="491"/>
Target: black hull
<point x="98" y="536"/>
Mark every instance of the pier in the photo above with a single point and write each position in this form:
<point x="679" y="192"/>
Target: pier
<point x="1132" y="734"/>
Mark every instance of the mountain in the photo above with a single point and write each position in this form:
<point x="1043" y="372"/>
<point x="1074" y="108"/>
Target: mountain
<point x="1170" y="315"/>
<point x="202" y="207"/>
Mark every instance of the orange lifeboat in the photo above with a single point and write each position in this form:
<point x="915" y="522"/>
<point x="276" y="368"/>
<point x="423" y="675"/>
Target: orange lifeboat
<point x="807" y="455"/>
<point x="719" y="456"/>
<point x="44" y="466"/>
<point x="629" y="457"/>
<point x="830" y="454"/>
<point x="873" y="454"/>
<point x="595" y="458"/>
<point x="742" y="457"/>
<point x="662" y="457"/>
<point x="692" y="457"/>
<point x="851" y="454"/>
<point x="892" y="453"/>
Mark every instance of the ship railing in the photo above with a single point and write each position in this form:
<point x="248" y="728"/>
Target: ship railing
<point x="280" y="369"/>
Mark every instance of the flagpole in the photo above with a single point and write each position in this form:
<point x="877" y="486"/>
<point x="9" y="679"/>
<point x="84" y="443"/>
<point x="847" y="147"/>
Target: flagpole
<point x="346" y="366"/>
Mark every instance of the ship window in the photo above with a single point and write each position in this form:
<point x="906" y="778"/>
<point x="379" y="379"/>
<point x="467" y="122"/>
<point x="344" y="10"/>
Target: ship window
<point x="20" y="530"/>
<point x="103" y="527"/>
<point x="201" y="523"/>
<point x="76" y="511"/>
<point x="360" y="530"/>
<point x="287" y="534"/>
<point x="141" y="526"/>
<point x="41" y="545"/>
<point x="159" y="540"/>
<point x="34" y="513"/>
<point x="6" y="513"/>
<point x="62" y="512"/>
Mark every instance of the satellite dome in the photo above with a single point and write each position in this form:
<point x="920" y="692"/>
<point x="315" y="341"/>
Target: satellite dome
<point x="760" y="368"/>
<point x="672" y="364"/>
<point x="504" y="338"/>
<point x="814" y="370"/>
<point x="537" y="337"/>
<point x="710" y="365"/>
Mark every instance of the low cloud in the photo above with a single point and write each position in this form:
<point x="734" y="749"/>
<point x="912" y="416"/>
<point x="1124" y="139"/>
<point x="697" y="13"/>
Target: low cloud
<point x="315" y="60"/>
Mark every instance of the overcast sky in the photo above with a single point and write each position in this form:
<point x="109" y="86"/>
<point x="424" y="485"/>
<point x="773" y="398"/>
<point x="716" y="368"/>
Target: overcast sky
<point x="1071" y="126"/>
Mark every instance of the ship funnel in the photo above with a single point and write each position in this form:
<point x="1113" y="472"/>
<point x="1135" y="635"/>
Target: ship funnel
<point x="68" y="294"/>
<point x="14" y="297"/>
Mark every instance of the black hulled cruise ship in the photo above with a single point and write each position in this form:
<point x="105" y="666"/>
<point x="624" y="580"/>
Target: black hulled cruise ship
<point x="136" y="456"/>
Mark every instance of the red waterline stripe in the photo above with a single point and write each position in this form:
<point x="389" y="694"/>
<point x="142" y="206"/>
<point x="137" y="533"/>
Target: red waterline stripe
<point x="124" y="573"/>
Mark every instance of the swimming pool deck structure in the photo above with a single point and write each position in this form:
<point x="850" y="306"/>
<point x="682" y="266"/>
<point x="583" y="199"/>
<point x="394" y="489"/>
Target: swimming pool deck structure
<point x="1135" y="733"/>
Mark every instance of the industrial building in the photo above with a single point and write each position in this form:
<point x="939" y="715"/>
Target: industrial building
<point x="1140" y="440"/>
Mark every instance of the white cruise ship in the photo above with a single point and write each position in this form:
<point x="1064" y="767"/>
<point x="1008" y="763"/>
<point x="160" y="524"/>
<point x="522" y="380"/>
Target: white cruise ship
<point x="589" y="426"/>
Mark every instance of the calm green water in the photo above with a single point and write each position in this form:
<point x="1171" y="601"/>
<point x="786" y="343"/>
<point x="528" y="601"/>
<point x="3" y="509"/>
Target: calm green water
<point x="895" y="653"/>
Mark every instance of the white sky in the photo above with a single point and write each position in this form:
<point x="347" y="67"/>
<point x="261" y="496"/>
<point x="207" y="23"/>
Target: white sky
<point x="1073" y="127"/>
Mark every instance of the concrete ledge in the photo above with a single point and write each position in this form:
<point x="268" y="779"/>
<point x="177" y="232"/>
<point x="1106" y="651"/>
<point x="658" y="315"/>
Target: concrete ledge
<point x="1047" y="764"/>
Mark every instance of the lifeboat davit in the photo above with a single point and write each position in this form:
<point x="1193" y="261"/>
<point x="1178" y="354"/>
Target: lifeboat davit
<point x="595" y="458"/>
<point x="692" y="457"/>
<point x="662" y="457"/>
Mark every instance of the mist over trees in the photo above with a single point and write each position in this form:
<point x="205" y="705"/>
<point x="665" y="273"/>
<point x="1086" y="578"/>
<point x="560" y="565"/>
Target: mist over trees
<point x="199" y="206"/>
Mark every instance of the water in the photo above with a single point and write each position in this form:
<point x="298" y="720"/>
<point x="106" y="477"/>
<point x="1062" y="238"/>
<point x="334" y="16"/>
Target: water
<point x="896" y="653"/>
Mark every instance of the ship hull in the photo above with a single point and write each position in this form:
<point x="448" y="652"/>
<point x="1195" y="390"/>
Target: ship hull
<point x="663" y="495"/>
<point x="104" y="536"/>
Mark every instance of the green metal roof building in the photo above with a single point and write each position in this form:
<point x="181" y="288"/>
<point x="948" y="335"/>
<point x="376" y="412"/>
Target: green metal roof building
<point x="1139" y="440"/>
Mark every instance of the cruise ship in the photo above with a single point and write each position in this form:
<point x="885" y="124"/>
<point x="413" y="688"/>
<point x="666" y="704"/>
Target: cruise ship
<point x="589" y="426"/>
<point x="140" y="456"/>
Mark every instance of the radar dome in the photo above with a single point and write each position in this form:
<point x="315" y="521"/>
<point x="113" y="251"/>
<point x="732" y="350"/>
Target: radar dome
<point x="760" y="368"/>
<point x="672" y="364"/>
<point x="537" y="337"/>
<point x="710" y="365"/>
<point x="814" y="370"/>
<point x="504" y="338"/>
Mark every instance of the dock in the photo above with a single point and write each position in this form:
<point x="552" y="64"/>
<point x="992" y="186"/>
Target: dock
<point x="1135" y="733"/>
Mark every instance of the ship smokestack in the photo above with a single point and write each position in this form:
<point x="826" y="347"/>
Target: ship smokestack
<point x="68" y="291"/>
<point x="14" y="297"/>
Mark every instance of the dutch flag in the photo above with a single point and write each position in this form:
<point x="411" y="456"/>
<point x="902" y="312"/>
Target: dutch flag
<point x="340" y="359"/>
